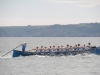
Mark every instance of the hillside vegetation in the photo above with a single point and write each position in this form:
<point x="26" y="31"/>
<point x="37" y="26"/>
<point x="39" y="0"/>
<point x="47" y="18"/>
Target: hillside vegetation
<point x="70" y="30"/>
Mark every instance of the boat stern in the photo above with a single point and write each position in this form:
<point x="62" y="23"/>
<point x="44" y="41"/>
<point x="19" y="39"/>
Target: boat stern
<point x="16" y="53"/>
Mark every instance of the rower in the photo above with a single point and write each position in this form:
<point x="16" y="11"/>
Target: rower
<point x="54" y="49"/>
<point x="50" y="49"/>
<point x="58" y="49"/>
<point x="36" y="49"/>
<point x="62" y="48"/>
<point x="67" y="48"/>
<point x="75" y="48"/>
<point x="41" y="49"/>
<point x="45" y="49"/>
<point x="71" y="48"/>
<point x="78" y="47"/>
<point x="23" y="47"/>
<point x="83" y="47"/>
<point x="89" y="46"/>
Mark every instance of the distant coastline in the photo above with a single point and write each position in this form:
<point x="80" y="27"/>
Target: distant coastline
<point x="57" y="30"/>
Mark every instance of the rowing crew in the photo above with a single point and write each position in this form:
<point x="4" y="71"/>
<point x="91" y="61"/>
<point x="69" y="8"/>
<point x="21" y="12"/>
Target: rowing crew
<point x="62" y="48"/>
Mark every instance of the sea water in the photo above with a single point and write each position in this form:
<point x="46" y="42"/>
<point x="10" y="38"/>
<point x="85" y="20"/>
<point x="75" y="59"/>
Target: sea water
<point x="87" y="64"/>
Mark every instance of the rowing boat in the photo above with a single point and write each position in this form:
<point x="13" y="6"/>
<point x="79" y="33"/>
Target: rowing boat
<point x="94" y="50"/>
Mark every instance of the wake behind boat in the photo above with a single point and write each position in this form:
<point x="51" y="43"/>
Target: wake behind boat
<point x="93" y="50"/>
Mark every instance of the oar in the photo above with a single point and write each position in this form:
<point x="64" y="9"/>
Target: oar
<point x="11" y="50"/>
<point x="31" y="50"/>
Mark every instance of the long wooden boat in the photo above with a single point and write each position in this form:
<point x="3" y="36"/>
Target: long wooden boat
<point x="94" y="50"/>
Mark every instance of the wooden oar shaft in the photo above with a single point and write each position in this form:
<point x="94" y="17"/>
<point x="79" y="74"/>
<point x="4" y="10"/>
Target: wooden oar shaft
<point x="17" y="46"/>
<point x="10" y="51"/>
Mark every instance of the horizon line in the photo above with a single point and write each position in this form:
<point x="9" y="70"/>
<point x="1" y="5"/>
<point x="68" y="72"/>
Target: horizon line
<point x="50" y="24"/>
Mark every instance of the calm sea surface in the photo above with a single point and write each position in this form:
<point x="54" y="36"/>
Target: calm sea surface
<point x="87" y="64"/>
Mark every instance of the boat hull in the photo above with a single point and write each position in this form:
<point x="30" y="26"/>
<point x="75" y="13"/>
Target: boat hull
<point x="17" y="53"/>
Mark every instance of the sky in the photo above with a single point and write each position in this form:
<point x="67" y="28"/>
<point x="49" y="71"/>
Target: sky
<point x="48" y="12"/>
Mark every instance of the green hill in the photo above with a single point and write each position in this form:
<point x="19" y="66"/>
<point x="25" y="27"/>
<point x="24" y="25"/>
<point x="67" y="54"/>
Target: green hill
<point x="70" y="30"/>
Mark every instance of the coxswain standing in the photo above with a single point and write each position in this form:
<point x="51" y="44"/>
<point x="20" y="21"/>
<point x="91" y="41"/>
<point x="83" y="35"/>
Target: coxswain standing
<point x="24" y="47"/>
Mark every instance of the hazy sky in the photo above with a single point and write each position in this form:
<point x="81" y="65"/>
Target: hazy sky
<point x="47" y="12"/>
